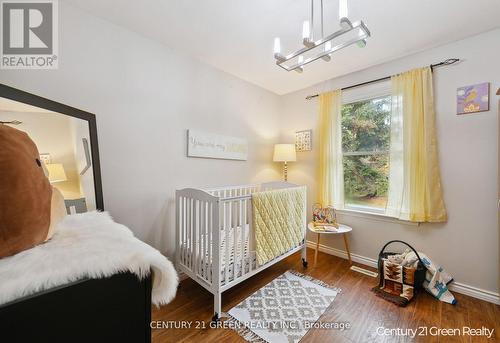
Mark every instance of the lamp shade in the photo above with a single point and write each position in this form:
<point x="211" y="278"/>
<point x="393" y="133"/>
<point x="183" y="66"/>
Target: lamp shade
<point x="56" y="172"/>
<point x="284" y="153"/>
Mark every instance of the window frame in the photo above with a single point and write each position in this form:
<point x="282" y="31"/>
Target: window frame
<point x="364" y="93"/>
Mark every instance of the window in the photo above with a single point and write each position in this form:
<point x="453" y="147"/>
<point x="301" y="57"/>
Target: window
<point x="365" y="145"/>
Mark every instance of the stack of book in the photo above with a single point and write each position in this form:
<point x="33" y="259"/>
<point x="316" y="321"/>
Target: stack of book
<point x="324" y="228"/>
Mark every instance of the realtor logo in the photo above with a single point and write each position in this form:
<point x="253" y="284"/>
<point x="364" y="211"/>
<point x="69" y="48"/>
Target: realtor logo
<point x="29" y="35"/>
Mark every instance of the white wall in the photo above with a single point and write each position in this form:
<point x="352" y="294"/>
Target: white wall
<point x="145" y="96"/>
<point x="467" y="245"/>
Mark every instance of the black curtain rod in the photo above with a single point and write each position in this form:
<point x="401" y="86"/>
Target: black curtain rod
<point x="444" y="63"/>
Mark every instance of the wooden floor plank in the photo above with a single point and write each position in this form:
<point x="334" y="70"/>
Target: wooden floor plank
<point x="356" y="304"/>
<point x="427" y="314"/>
<point x="482" y="314"/>
<point x="454" y="317"/>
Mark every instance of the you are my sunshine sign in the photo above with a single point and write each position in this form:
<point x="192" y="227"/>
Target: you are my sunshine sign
<point x="210" y="145"/>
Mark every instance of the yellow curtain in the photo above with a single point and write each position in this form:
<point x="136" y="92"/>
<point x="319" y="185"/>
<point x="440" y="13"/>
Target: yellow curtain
<point x="415" y="191"/>
<point x="330" y="176"/>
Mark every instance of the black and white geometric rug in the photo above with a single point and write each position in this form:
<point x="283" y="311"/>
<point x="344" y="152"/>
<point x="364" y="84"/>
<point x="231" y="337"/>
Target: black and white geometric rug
<point x="283" y="310"/>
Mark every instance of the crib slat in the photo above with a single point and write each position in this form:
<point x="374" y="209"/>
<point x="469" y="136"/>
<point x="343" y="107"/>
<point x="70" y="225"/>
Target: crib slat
<point x="196" y="238"/>
<point x="210" y="264"/>
<point x="205" y="242"/>
<point x="204" y="246"/>
<point x="186" y="241"/>
<point x="188" y="224"/>
<point x="242" y="223"/>
<point x="217" y="221"/>
<point x="251" y="235"/>
<point x="234" y="224"/>
<point x="201" y="241"/>
<point x="194" y="254"/>
<point x="184" y="225"/>
<point x="195" y="234"/>
<point x="190" y="235"/>
<point x="179" y="230"/>
<point x="200" y="238"/>
<point x="226" y="230"/>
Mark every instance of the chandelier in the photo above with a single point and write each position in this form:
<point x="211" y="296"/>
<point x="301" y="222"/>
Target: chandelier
<point x="350" y="33"/>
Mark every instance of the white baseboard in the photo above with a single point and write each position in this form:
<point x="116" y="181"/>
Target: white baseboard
<point x="370" y="262"/>
<point x="475" y="292"/>
<point x="458" y="287"/>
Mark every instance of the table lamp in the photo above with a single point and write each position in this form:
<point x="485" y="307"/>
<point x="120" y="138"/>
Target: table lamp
<point x="56" y="172"/>
<point x="284" y="153"/>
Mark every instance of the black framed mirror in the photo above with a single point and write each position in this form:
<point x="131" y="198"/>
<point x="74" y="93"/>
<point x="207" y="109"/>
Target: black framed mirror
<point x="66" y="138"/>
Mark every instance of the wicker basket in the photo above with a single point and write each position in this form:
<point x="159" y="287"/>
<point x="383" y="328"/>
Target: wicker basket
<point x="402" y="283"/>
<point x="419" y="272"/>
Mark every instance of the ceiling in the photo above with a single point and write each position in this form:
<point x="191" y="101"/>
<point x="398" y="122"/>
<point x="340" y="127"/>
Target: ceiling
<point x="236" y="36"/>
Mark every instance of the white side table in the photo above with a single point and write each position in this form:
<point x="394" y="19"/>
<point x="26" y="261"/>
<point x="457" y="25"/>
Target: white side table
<point x="342" y="230"/>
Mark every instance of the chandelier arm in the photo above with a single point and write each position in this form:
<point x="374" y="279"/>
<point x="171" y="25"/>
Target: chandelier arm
<point x="353" y="26"/>
<point x="304" y="62"/>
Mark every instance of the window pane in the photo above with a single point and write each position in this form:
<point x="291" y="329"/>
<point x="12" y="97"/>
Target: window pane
<point x="366" y="125"/>
<point x="366" y="180"/>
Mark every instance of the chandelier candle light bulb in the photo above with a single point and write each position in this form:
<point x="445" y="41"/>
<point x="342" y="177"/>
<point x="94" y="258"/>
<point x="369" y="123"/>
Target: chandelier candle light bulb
<point x="343" y="9"/>
<point x="277" y="46"/>
<point x="277" y="50"/>
<point x="306" y="34"/>
<point x="306" y="30"/>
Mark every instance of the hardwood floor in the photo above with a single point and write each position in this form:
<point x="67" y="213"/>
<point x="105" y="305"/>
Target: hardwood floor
<point x="356" y="304"/>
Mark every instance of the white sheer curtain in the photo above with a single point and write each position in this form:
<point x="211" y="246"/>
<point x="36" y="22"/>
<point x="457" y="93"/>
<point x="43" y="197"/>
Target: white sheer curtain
<point x="398" y="200"/>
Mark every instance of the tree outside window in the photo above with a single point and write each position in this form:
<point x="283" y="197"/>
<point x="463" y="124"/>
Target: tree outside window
<point x="365" y="146"/>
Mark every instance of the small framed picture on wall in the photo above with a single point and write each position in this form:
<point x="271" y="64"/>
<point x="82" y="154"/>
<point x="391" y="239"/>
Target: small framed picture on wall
<point x="473" y="99"/>
<point x="303" y="140"/>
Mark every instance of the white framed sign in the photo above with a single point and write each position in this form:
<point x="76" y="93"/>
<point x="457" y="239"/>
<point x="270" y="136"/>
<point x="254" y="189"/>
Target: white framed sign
<point x="209" y="145"/>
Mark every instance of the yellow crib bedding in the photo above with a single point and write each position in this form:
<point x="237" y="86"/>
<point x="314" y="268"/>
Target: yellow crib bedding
<point x="279" y="219"/>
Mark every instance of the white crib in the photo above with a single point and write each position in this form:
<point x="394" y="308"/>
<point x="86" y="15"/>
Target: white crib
<point x="215" y="237"/>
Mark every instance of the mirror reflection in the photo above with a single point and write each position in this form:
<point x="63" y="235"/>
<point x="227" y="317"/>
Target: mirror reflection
<point x="64" y="146"/>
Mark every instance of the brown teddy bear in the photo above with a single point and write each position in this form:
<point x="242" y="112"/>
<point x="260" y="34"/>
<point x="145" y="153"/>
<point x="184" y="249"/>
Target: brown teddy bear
<point x="30" y="207"/>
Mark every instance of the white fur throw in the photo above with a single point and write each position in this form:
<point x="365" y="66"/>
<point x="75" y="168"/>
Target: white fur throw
<point x="89" y="245"/>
